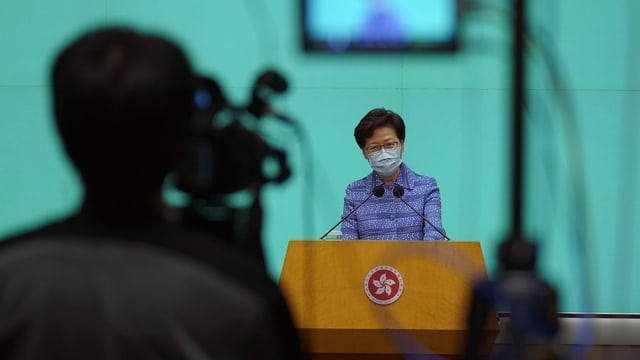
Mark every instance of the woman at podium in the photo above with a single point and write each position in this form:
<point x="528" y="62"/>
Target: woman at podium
<point x="392" y="202"/>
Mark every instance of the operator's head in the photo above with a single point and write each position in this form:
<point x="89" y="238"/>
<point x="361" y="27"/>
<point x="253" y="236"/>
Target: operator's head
<point x="122" y="102"/>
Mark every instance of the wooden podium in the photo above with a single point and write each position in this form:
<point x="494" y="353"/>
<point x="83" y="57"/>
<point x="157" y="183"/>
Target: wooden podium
<point x="371" y="299"/>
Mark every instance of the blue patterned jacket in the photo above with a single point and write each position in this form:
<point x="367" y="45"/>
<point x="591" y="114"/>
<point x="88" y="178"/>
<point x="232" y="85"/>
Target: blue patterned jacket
<point x="387" y="217"/>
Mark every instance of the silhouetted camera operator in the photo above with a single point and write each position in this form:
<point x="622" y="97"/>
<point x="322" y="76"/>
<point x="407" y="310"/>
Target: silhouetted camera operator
<point x="124" y="277"/>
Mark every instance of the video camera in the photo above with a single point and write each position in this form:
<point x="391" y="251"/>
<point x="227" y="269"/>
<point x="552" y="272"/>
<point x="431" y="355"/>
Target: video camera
<point x="224" y="153"/>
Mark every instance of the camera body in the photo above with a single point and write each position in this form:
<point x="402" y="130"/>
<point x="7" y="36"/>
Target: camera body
<point x="221" y="154"/>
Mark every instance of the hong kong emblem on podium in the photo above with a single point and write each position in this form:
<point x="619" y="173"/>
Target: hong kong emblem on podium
<point x="383" y="285"/>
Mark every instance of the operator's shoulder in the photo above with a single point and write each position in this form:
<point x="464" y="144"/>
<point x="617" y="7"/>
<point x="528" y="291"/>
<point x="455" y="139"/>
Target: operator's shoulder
<point x="50" y="229"/>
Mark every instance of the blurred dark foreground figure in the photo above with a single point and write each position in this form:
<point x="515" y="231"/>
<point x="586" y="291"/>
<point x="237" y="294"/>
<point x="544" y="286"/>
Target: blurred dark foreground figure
<point x="124" y="277"/>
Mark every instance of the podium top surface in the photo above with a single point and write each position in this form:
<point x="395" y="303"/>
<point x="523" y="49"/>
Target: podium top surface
<point x="463" y="256"/>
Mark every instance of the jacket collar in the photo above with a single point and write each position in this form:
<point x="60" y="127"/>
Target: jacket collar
<point x="405" y="178"/>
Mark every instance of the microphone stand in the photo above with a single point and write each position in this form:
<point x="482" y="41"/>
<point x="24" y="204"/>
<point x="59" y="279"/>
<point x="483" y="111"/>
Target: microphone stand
<point x="377" y="191"/>
<point x="398" y="191"/>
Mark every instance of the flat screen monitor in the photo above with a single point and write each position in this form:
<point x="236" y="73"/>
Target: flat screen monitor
<point x="379" y="26"/>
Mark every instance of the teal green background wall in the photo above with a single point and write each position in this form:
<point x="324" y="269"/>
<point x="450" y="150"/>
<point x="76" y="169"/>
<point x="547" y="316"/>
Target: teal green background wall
<point x="582" y="168"/>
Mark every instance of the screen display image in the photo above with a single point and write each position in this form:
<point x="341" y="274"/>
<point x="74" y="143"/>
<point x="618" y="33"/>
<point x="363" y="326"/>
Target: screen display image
<point x="379" y="25"/>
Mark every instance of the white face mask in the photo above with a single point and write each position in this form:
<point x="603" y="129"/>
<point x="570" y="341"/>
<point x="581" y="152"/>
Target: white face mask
<point x="386" y="162"/>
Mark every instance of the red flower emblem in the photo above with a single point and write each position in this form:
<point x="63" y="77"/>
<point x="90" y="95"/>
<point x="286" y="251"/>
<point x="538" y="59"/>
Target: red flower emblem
<point x="383" y="285"/>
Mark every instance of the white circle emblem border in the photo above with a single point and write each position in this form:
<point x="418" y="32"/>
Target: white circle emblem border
<point x="390" y="300"/>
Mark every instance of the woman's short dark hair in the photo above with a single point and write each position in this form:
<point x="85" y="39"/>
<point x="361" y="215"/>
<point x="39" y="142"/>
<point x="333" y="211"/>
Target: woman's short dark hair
<point x="375" y="119"/>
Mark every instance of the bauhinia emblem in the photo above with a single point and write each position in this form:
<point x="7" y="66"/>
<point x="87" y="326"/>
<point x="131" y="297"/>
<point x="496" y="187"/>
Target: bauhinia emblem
<point x="383" y="285"/>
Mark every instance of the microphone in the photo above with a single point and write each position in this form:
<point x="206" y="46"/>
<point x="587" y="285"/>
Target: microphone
<point x="268" y="83"/>
<point x="378" y="190"/>
<point x="398" y="191"/>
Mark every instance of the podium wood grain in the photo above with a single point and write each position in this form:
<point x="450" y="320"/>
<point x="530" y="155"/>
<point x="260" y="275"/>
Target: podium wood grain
<point x="323" y="282"/>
